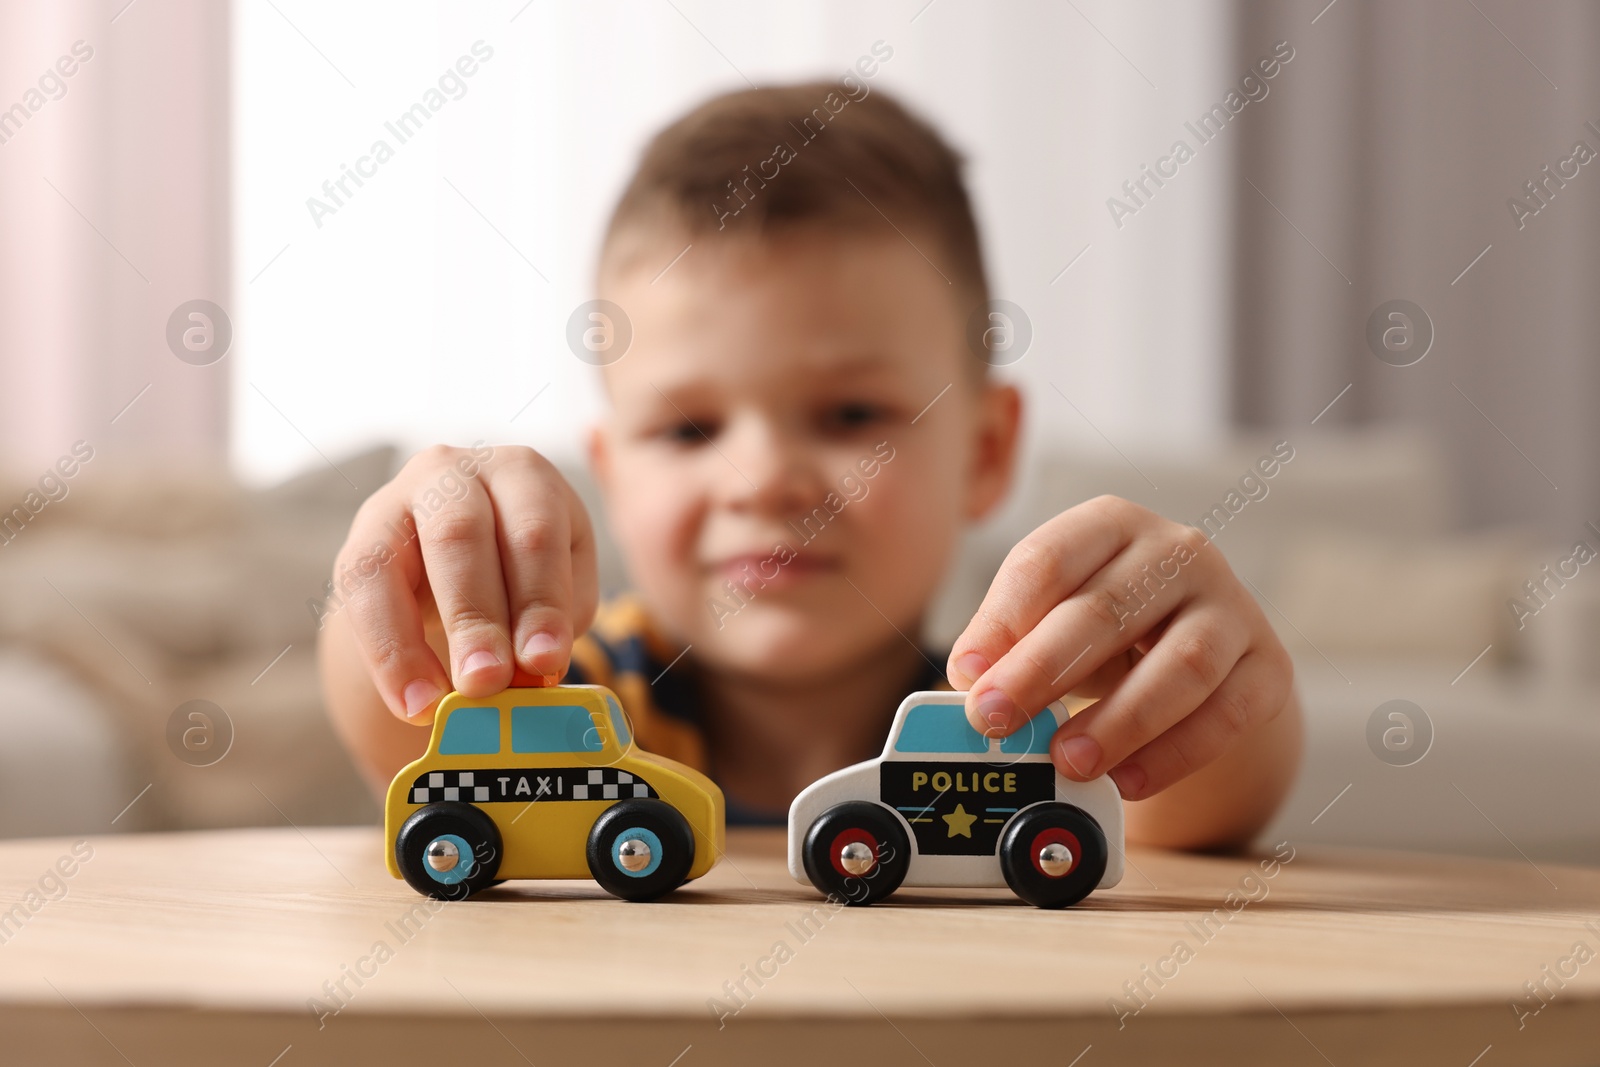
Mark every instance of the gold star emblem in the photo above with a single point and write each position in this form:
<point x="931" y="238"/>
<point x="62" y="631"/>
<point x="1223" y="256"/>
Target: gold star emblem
<point x="960" y="822"/>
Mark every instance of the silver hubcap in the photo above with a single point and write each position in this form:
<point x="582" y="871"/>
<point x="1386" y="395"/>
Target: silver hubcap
<point x="1055" y="859"/>
<point x="856" y="857"/>
<point x="443" y="856"/>
<point x="633" y="854"/>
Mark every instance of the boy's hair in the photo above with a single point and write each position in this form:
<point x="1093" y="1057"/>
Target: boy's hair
<point x="817" y="154"/>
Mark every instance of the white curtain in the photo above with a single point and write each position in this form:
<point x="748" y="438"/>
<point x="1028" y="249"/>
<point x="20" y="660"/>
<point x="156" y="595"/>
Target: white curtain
<point x="1389" y="153"/>
<point x="114" y="192"/>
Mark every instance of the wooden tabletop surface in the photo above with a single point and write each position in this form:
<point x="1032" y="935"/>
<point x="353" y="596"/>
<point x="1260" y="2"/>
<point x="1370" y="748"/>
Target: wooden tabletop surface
<point x="285" y="947"/>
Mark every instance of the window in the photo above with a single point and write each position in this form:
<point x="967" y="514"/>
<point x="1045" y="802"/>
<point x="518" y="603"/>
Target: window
<point x="471" y="732"/>
<point x="1033" y="739"/>
<point x="410" y="232"/>
<point x="555" y="728"/>
<point x="619" y="721"/>
<point x="940" y="728"/>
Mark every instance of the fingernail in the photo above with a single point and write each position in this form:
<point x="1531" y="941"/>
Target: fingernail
<point x="540" y="643"/>
<point x="419" y="696"/>
<point x="972" y="665"/>
<point x="1130" y="779"/>
<point x="480" y="661"/>
<point x="1081" y="754"/>
<point x="996" y="710"/>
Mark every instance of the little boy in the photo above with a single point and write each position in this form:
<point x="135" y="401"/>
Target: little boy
<point x="796" y="437"/>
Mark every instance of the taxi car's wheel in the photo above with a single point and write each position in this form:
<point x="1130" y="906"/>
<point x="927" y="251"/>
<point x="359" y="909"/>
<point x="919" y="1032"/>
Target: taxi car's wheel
<point x="1053" y="855"/>
<point x="856" y="852"/>
<point x="448" y="850"/>
<point x="640" y="849"/>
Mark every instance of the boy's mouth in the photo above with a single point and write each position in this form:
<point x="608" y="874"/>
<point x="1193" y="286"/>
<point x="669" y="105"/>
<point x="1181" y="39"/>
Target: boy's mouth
<point x="772" y="570"/>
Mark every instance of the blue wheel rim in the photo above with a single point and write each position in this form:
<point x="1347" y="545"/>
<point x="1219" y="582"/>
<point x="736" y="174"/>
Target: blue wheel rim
<point x="463" y="868"/>
<point x="641" y="834"/>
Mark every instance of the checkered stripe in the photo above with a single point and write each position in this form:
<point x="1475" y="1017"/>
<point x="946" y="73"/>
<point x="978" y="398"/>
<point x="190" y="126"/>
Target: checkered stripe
<point x="570" y="783"/>
<point x="463" y="786"/>
<point x="608" y="783"/>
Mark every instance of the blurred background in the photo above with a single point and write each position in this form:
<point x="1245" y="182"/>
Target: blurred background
<point x="1381" y="259"/>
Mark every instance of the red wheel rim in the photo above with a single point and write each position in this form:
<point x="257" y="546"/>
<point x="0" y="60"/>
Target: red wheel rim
<point x="1054" y="835"/>
<point x="850" y="837"/>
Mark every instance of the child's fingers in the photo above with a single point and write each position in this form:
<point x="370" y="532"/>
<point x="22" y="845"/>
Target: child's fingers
<point x="1106" y="677"/>
<point x="533" y="520"/>
<point x="460" y="551"/>
<point x="1094" y="625"/>
<point x="1250" y="696"/>
<point x="1196" y="651"/>
<point x="1042" y="570"/>
<point x="385" y="617"/>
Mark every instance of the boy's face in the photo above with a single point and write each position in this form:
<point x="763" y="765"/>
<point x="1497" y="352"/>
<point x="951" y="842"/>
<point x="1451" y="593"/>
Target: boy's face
<point x="771" y="428"/>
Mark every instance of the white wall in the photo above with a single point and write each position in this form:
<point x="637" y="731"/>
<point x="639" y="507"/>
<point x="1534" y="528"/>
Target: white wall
<point x="407" y="317"/>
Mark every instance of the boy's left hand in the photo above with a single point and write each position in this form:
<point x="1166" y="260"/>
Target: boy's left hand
<point x="1110" y="599"/>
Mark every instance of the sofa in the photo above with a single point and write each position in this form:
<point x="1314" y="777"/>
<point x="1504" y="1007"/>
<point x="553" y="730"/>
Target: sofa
<point x="149" y="589"/>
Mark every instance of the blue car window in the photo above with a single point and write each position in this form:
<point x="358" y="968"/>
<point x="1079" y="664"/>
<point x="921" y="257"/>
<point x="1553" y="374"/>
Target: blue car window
<point x="555" y="728"/>
<point x="1033" y="739"/>
<point x="471" y="732"/>
<point x="619" y="721"/>
<point x="939" y="728"/>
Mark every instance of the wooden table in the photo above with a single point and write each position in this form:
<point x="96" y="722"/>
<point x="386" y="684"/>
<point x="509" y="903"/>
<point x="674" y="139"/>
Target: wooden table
<point x="207" y="948"/>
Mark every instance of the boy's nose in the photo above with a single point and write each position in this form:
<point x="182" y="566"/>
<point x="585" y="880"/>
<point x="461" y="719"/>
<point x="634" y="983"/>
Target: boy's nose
<point x="771" y="472"/>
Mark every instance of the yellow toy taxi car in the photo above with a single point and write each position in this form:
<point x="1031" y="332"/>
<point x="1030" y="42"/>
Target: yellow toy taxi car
<point x="547" y="783"/>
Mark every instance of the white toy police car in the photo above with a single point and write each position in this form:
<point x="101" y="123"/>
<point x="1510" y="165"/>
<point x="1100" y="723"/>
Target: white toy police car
<point x="946" y="806"/>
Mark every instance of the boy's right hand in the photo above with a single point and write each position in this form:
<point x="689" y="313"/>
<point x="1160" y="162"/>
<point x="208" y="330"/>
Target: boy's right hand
<point x="492" y="545"/>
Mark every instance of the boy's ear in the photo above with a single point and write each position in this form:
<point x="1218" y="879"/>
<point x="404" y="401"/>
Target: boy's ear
<point x="599" y="457"/>
<point x="994" y="455"/>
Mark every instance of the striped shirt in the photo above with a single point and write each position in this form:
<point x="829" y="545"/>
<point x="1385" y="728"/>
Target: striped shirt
<point x="625" y="652"/>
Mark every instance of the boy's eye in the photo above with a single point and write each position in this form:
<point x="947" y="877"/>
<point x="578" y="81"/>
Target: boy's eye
<point x="686" y="433"/>
<point x="852" y="415"/>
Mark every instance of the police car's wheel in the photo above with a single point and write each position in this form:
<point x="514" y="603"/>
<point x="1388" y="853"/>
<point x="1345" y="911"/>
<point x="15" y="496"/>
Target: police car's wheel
<point x="640" y="849"/>
<point x="448" y="850"/>
<point x="856" y="852"/>
<point x="1053" y="855"/>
